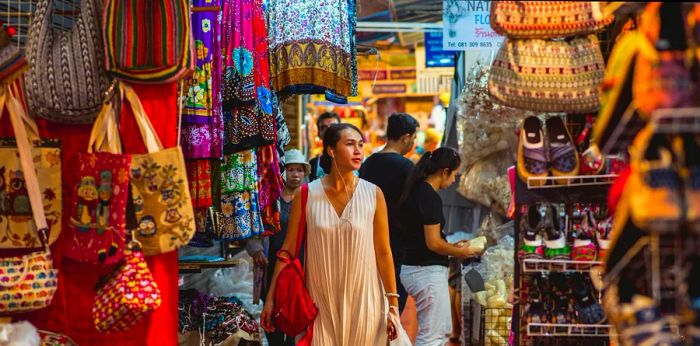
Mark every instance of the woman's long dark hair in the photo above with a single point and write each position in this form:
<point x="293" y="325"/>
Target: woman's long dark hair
<point x="429" y="164"/>
<point x="330" y="139"/>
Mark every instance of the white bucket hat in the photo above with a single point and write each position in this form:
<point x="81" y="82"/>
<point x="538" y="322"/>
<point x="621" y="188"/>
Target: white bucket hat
<point x="294" y="156"/>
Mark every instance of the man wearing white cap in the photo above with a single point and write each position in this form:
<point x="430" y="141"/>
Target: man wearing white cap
<point x="295" y="170"/>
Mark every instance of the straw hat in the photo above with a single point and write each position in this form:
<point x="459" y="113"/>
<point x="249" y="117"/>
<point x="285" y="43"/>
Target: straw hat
<point x="294" y="156"/>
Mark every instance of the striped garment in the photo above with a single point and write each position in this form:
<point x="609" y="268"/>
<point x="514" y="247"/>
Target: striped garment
<point x="148" y="41"/>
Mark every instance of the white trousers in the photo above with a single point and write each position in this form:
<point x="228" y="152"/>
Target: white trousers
<point x="428" y="287"/>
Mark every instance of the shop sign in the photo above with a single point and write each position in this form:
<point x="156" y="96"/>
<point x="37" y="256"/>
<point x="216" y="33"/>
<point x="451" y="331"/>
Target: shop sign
<point x="466" y="26"/>
<point x="370" y="75"/>
<point x="435" y="56"/>
<point x="389" y="89"/>
<point x="406" y="73"/>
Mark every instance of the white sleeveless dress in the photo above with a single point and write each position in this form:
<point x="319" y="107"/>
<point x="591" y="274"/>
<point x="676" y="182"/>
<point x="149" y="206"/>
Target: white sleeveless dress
<point x="341" y="269"/>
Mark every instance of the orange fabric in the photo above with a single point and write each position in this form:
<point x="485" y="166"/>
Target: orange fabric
<point x="71" y="311"/>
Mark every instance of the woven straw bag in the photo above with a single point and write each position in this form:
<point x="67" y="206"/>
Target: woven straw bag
<point x="548" y="76"/>
<point x="548" y="19"/>
<point x="66" y="79"/>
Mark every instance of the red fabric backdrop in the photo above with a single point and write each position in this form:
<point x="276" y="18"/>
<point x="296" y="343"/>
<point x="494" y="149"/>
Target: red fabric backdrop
<point x="71" y="310"/>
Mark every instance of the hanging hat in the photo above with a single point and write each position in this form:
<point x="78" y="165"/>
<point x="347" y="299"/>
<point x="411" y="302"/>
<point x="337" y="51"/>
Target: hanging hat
<point x="294" y="156"/>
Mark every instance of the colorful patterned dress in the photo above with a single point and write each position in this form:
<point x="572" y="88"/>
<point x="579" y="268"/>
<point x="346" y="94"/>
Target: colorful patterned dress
<point x="246" y="97"/>
<point x="312" y="47"/>
<point x="201" y="114"/>
<point x="202" y="125"/>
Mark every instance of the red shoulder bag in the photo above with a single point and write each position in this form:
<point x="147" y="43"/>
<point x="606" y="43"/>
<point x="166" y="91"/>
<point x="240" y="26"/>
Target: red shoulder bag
<point x="294" y="311"/>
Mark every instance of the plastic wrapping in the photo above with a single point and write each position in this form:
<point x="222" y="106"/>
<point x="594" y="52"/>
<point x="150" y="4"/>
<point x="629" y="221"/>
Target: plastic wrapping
<point x="485" y="127"/>
<point x="486" y="182"/>
<point x="497" y="269"/>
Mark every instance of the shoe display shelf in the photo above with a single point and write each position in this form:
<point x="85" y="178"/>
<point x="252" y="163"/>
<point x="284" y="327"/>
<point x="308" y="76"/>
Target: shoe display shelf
<point x="569" y="191"/>
<point x="580" y="330"/>
<point x="531" y="265"/>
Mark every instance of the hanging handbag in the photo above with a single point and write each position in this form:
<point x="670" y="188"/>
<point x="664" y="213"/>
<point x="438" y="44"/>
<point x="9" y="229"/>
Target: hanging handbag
<point x="66" y="80"/>
<point x="97" y="205"/>
<point x="148" y="41"/>
<point x="17" y="227"/>
<point x="129" y="295"/>
<point x="161" y="195"/>
<point x="28" y="282"/>
<point x="12" y="61"/>
<point x="294" y="311"/>
<point x="665" y="78"/>
<point x="548" y="76"/>
<point x="547" y="19"/>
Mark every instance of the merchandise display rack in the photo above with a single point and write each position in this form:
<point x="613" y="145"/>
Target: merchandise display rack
<point x="590" y="189"/>
<point x="579" y="330"/>
<point x="530" y="265"/>
<point x="568" y="181"/>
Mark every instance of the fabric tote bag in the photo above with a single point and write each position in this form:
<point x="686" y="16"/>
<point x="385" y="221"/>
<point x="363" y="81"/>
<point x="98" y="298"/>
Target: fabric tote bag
<point x="17" y="225"/>
<point x="547" y="19"/>
<point x="148" y="41"/>
<point x="127" y="296"/>
<point x="159" y="188"/>
<point x="66" y="80"/>
<point x="548" y="76"/>
<point x="97" y="205"/>
<point x="28" y="282"/>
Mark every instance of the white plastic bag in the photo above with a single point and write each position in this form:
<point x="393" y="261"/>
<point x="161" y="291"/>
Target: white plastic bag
<point x="402" y="339"/>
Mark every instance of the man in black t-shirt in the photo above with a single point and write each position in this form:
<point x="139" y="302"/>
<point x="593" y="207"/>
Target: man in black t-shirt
<point x="324" y="121"/>
<point x="389" y="170"/>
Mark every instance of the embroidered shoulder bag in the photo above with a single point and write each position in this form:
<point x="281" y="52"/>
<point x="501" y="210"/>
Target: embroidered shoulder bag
<point x="17" y="227"/>
<point x="127" y="296"/>
<point x="96" y="208"/>
<point x="159" y="188"/>
<point x="547" y="19"/>
<point x="148" y="41"/>
<point x="66" y="80"/>
<point x="294" y="311"/>
<point x="28" y="282"/>
<point x="548" y="76"/>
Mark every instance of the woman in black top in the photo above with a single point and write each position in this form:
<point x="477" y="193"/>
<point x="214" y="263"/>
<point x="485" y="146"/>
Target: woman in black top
<point x="424" y="270"/>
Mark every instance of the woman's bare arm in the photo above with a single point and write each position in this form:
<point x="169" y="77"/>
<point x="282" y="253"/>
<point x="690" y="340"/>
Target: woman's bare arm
<point x="382" y="249"/>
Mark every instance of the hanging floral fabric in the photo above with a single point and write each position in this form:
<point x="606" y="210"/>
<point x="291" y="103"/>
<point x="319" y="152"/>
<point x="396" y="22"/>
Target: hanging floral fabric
<point x="246" y="96"/>
<point x="201" y="114"/>
<point x="312" y="47"/>
<point x="271" y="182"/>
<point x="239" y="197"/>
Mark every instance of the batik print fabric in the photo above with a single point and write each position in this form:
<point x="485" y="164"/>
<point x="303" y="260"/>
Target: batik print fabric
<point x="201" y="115"/>
<point x="312" y="47"/>
<point x="240" y="205"/>
<point x="246" y="97"/>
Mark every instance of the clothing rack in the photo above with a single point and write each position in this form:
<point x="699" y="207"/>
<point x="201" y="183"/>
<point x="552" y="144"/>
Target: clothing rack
<point x="205" y="9"/>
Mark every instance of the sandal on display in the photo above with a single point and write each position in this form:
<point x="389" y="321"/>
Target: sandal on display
<point x="555" y="236"/>
<point x="536" y="310"/>
<point x="561" y="309"/>
<point x="655" y="186"/>
<point x="584" y="249"/>
<point x="531" y="225"/>
<point x="603" y="237"/>
<point x="562" y="151"/>
<point x="588" y="309"/>
<point x="532" y="159"/>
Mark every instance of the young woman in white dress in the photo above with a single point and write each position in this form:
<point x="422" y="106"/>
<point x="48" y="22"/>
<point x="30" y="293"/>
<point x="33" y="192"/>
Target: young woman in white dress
<point x="348" y="262"/>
